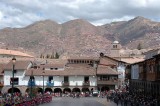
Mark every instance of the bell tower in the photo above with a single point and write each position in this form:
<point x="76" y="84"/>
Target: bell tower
<point x="115" y="49"/>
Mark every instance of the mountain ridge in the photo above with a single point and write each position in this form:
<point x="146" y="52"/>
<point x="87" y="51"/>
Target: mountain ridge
<point x="80" y="37"/>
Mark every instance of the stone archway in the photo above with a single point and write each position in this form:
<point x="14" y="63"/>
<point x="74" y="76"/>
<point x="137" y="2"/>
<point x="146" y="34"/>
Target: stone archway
<point x="48" y="90"/>
<point x="14" y="90"/>
<point x="66" y="90"/>
<point x="92" y="90"/>
<point x="57" y="90"/>
<point x="76" y="90"/>
<point x="85" y="90"/>
<point x="40" y="90"/>
<point x="27" y="90"/>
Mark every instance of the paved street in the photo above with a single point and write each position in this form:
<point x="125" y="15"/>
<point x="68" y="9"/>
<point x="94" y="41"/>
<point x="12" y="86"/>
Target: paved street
<point x="88" y="101"/>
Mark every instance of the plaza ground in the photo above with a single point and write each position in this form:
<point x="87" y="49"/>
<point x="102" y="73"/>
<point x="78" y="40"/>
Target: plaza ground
<point x="86" y="101"/>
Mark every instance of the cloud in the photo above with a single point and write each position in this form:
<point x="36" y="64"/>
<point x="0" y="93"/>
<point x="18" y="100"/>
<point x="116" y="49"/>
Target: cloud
<point x="19" y="13"/>
<point x="1" y="15"/>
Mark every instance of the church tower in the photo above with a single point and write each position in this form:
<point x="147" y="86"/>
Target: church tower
<point x="115" y="49"/>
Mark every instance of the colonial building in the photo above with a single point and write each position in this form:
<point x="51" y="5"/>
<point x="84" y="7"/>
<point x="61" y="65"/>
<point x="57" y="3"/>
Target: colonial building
<point x="126" y="56"/>
<point x="115" y="70"/>
<point x="19" y="73"/>
<point x="73" y="75"/>
<point x="145" y="75"/>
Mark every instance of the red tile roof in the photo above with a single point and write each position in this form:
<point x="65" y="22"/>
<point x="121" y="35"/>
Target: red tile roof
<point x="13" y="52"/>
<point x="18" y="65"/>
<point x="71" y="69"/>
<point x="106" y="70"/>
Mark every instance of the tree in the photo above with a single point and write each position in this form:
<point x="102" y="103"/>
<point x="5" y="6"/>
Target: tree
<point x="56" y="56"/>
<point x="139" y="47"/>
<point x="47" y="56"/>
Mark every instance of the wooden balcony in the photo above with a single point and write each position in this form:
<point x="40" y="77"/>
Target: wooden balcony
<point x="86" y="83"/>
<point x="142" y="76"/>
<point x="50" y="84"/>
<point x="107" y="82"/>
<point x="151" y="77"/>
<point x="65" y="84"/>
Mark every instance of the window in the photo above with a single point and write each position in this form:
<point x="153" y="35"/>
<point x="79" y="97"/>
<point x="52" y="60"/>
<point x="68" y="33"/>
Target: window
<point x="14" y="80"/>
<point x="114" y="46"/>
<point x="32" y="77"/>
<point x="66" y="79"/>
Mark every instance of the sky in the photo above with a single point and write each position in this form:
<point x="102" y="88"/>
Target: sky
<point x="20" y="13"/>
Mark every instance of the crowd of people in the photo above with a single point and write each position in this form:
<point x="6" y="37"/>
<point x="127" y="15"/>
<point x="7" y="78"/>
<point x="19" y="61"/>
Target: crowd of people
<point x="120" y="97"/>
<point x="18" y="100"/>
<point x="131" y="99"/>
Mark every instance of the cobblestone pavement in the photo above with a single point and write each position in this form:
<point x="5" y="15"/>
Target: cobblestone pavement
<point x="87" y="101"/>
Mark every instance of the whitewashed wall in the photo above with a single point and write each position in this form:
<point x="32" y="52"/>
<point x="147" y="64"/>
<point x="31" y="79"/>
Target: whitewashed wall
<point x="58" y="80"/>
<point x="23" y="80"/>
<point x="73" y="80"/>
<point x="93" y="80"/>
<point x="8" y="74"/>
<point x="76" y="80"/>
<point x="135" y="71"/>
<point x="121" y="71"/>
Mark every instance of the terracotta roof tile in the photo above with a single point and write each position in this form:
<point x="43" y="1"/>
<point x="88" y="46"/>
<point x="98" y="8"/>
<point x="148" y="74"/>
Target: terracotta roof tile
<point x="82" y="58"/>
<point x="132" y="60"/>
<point x="18" y="65"/>
<point x="106" y="70"/>
<point x="13" y="52"/>
<point x="53" y="65"/>
<point x="69" y="70"/>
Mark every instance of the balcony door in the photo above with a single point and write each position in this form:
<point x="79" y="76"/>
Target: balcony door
<point x="50" y="79"/>
<point x="31" y="81"/>
<point x="86" y="79"/>
<point x="66" y="79"/>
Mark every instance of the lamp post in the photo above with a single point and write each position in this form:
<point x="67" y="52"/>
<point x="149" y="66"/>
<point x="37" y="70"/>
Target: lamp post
<point x="43" y="86"/>
<point x="98" y="62"/>
<point x="31" y="82"/>
<point x="13" y="69"/>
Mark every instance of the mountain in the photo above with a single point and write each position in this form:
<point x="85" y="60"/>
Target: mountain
<point x="79" y="37"/>
<point x="47" y="37"/>
<point x="131" y="33"/>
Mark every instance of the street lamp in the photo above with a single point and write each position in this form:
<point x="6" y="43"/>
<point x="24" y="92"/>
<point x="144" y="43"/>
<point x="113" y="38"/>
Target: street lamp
<point x="97" y="64"/>
<point x="31" y="82"/>
<point x="43" y="85"/>
<point x="13" y="69"/>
